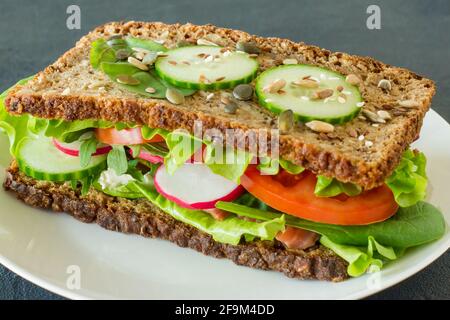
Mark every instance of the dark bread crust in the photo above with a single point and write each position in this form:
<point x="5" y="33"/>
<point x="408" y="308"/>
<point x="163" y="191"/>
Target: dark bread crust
<point x="141" y="217"/>
<point x="338" y="155"/>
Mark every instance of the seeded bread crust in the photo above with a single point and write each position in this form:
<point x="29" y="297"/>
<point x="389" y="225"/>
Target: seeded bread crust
<point x="70" y="89"/>
<point x="141" y="217"/>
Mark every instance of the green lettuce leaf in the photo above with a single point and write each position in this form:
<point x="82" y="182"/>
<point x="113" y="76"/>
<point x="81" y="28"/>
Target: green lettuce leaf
<point x="329" y="187"/>
<point x="270" y="166"/>
<point x="15" y="127"/>
<point x="230" y="230"/>
<point x="231" y="164"/>
<point x="361" y="259"/>
<point x="181" y="146"/>
<point x="69" y="131"/>
<point x="409" y="180"/>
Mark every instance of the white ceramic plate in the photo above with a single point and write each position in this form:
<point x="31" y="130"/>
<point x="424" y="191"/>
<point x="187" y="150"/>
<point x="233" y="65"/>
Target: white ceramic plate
<point x="40" y="246"/>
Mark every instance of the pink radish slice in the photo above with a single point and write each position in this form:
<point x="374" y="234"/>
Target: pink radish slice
<point x="195" y="186"/>
<point x="73" y="148"/>
<point x="145" y="155"/>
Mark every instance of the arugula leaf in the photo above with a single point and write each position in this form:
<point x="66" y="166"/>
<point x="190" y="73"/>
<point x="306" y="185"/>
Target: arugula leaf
<point x="409" y="181"/>
<point x="117" y="159"/>
<point x="86" y="185"/>
<point x="74" y="184"/>
<point x="329" y="187"/>
<point x="135" y="150"/>
<point x="156" y="149"/>
<point x="250" y="201"/>
<point x="135" y="172"/>
<point x="87" y="149"/>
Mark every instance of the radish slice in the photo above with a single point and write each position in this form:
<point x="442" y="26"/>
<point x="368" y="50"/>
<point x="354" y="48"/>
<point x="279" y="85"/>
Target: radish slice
<point x="195" y="186"/>
<point x="145" y="155"/>
<point x="73" y="148"/>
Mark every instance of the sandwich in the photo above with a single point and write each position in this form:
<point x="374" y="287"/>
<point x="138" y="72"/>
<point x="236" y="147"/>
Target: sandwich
<point x="276" y="155"/>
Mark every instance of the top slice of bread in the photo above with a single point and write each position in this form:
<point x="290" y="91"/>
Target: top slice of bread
<point x="356" y="152"/>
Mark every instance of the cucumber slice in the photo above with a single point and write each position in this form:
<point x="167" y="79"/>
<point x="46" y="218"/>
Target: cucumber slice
<point x="40" y="159"/>
<point x="300" y="99"/>
<point x="206" y="68"/>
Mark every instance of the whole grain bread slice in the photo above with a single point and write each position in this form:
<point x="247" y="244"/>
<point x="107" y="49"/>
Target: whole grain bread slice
<point x="141" y="217"/>
<point x="357" y="152"/>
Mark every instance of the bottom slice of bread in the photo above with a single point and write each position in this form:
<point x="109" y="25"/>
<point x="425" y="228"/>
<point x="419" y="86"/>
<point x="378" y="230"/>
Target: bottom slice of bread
<point x="142" y="217"/>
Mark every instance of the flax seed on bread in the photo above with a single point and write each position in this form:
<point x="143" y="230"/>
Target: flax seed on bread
<point x="337" y="154"/>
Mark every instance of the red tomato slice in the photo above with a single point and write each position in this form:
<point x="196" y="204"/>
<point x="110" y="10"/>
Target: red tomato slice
<point x="294" y="195"/>
<point x="126" y="136"/>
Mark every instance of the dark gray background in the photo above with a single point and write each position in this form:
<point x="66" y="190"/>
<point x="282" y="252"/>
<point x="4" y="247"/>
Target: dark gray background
<point x="414" y="35"/>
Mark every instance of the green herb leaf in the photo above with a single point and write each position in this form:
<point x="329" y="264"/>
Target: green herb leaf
<point x="103" y="56"/>
<point x="117" y="159"/>
<point x="146" y="79"/>
<point x="101" y="52"/>
<point x="144" y="44"/>
<point x="87" y="149"/>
